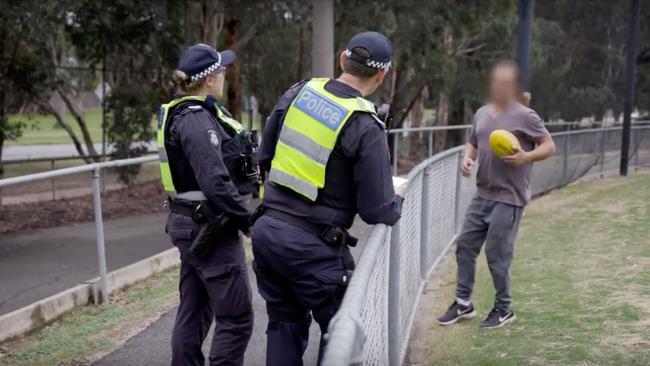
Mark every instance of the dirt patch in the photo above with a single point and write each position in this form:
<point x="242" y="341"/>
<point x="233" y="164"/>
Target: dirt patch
<point x="147" y="197"/>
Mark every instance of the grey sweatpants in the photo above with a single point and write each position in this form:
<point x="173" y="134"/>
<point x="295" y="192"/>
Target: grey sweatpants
<point x="495" y="224"/>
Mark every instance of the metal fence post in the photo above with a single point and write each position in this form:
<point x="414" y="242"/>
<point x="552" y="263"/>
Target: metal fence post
<point x="430" y="143"/>
<point x="52" y="181"/>
<point x="602" y="152"/>
<point x="459" y="184"/>
<point x="636" y="149"/>
<point x="99" y="232"/>
<point x="565" y="161"/>
<point x="394" y="326"/>
<point x="425" y="221"/>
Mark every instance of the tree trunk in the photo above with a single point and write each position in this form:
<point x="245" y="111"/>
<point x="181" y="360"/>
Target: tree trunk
<point x="232" y="34"/>
<point x="75" y="140"/>
<point x="301" y="51"/>
<point x="442" y="119"/>
<point x="81" y="121"/>
<point x="2" y="167"/>
<point x="210" y="22"/>
<point x="415" y="138"/>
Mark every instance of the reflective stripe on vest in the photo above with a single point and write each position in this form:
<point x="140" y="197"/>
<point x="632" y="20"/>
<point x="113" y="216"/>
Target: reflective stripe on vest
<point x="163" y="116"/>
<point x="309" y="132"/>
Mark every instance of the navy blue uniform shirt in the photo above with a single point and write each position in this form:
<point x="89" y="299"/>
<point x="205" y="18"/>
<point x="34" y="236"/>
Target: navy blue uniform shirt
<point x="194" y="149"/>
<point x="358" y="178"/>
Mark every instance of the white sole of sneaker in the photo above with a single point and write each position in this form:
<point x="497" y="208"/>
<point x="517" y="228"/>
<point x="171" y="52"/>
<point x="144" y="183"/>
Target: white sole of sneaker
<point x="464" y="316"/>
<point x="509" y="320"/>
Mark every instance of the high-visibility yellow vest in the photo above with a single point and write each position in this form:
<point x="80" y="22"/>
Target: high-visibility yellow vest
<point x="309" y="132"/>
<point x="163" y="116"/>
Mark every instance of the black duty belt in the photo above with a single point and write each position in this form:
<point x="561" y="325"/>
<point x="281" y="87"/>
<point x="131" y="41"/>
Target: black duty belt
<point x="182" y="207"/>
<point x="199" y="211"/>
<point x="331" y="234"/>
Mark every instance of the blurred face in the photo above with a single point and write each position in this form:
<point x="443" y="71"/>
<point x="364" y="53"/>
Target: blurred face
<point x="214" y="84"/>
<point x="504" y="86"/>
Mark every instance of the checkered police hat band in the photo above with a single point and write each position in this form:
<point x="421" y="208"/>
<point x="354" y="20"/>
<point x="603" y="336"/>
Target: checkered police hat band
<point x="211" y="69"/>
<point x="368" y="62"/>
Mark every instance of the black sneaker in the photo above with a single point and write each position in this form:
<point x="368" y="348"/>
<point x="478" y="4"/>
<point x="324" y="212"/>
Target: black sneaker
<point x="498" y="318"/>
<point x="456" y="312"/>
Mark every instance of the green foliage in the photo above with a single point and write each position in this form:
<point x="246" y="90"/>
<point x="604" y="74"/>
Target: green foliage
<point x="579" y="58"/>
<point x="279" y="53"/>
<point x="26" y="74"/>
<point x="439" y="44"/>
<point x="643" y="64"/>
<point x="445" y="45"/>
<point x="138" y="44"/>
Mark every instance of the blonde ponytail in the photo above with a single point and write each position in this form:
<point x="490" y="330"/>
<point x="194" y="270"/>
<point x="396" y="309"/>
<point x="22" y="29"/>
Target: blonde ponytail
<point x="184" y="83"/>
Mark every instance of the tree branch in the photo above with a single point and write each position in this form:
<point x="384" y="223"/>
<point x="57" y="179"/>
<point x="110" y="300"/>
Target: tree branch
<point x="46" y="107"/>
<point x="81" y="121"/>
<point x="243" y="40"/>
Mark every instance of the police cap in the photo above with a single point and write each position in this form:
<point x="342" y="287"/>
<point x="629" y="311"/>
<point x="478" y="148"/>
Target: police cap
<point x="202" y="60"/>
<point x="379" y="48"/>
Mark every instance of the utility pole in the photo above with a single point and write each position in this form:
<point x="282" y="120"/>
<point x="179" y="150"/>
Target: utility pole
<point x="630" y="69"/>
<point x="322" y="48"/>
<point x="524" y="26"/>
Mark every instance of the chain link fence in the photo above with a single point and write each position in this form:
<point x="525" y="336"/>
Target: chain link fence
<point x="374" y="322"/>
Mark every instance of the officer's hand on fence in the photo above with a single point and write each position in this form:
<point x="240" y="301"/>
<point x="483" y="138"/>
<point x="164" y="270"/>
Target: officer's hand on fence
<point x="519" y="158"/>
<point x="466" y="166"/>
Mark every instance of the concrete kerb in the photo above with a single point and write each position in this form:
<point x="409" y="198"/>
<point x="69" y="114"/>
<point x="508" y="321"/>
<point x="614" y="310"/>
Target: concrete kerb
<point x="34" y="316"/>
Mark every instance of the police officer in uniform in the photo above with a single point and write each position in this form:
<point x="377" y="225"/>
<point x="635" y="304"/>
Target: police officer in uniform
<point x="325" y="155"/>
<point x="207" y="167"/>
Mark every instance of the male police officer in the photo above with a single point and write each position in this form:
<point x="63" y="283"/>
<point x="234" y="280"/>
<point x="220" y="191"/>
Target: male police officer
<point x="326" y="155"/>
<point x="205" y="160"/>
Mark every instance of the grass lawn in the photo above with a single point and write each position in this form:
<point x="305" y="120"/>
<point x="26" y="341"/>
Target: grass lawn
<point x="42" y="129"/>
<point x="580" y="284"/>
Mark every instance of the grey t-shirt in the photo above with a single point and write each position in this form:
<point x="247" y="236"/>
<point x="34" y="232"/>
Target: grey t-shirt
<point x="496" y="180"/>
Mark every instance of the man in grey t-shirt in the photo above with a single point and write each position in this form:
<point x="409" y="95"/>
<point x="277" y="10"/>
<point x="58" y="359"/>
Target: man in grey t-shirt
<point x="503" y="190"/>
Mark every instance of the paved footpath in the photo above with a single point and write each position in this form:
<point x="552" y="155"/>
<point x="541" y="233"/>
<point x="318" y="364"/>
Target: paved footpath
<point x="152" y="345"/>
<point x="44" y="262"/>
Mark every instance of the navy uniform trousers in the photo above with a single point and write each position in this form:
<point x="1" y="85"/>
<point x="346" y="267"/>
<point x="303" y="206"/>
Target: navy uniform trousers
<point x="212" y="288"/>
<point x="297" y="274"/>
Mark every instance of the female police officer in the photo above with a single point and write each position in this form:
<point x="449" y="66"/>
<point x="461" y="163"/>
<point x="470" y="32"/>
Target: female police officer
<point x="206" y="168"/>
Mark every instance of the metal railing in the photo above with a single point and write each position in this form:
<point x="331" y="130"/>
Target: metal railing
<point x="96" y="173"/>
<point x="429" y="131"/>
<point x="58" y="159"/>
<point x="374" y="322"/>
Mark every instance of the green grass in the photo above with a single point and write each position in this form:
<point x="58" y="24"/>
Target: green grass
<point x="43" y="129"/>
<point x="580" y="284"/>
<point x="82" y="334"/>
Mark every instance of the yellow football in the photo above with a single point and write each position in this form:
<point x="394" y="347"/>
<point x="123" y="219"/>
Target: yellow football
<point x="502" y="141"/>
